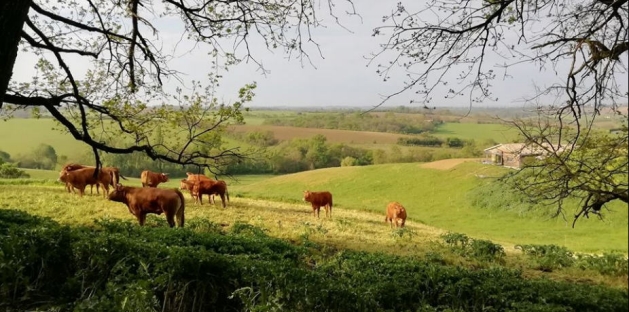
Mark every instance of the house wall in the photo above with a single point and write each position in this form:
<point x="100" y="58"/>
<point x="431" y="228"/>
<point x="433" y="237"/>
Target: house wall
<point x="511" y="160"/>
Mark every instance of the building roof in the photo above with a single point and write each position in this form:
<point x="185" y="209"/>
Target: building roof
<point x="518" y="148"/>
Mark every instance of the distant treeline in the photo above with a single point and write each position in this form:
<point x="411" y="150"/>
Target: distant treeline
<point x="272" y="156"/>
<point x="383" y="122"/>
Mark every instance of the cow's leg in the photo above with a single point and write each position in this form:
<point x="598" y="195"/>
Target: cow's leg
<point x="105" y="189"/>
<point x="82" y="190"/>
<point x="170" y="218"/>
<point x="141" y="218"/>
<point x="222" y="200"/>
<point x="213" y="200"/>
<point x="97" y="187"/>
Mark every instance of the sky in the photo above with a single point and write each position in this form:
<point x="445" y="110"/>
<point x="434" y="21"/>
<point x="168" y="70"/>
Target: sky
<point x="341" y="78"/>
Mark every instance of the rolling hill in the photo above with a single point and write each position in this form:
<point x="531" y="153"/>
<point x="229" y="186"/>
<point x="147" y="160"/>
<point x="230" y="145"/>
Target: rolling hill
<point x="442" y="198"/>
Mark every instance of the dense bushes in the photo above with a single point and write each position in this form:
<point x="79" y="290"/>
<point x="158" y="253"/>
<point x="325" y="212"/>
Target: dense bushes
<point x="551" y="257"/>
<point x="9" y="170"/>
<point x="123" y="267"/>
<point x="358" y="121"/>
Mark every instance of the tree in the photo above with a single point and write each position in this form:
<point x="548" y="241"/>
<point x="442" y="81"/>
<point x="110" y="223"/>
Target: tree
<point x="127" y="68"/>
<point x="583" y="42"/>
<point x="596" y="172"/>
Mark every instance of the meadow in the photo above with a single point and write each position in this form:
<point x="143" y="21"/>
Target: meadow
<point x="459" y="238"/>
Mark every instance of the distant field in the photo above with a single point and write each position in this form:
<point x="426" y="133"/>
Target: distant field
<point x="440" y="198"/>
<point x="479" y="132"/>
<point x="19" y="136"/>
<point x="336" y="136"/>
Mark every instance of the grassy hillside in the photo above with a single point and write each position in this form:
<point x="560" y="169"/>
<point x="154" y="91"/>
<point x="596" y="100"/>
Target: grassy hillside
<point x="441" y="198"/>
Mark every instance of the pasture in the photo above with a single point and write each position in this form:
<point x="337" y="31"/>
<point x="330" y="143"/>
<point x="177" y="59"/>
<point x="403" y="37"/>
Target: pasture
<point x="267" y="233"/>
<point x="441" y="199"/>
<point x="290" y="219"/>
<point x="437" y="195"/>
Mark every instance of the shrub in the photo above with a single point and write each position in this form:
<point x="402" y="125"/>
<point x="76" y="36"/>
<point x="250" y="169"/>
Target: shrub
<point x="548" y="257"/>
<point x="11" y="171"/>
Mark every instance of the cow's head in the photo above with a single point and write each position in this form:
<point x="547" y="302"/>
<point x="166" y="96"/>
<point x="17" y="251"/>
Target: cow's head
<point x="62" y="176"/>
<point x="163" y="177"/>
<point x="183" y="185"/>
<point x="307" y="195"/>
<point x="119" y="194"/>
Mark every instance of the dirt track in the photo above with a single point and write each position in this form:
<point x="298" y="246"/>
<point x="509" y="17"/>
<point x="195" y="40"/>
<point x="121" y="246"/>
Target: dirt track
<point x="446" y="164"/>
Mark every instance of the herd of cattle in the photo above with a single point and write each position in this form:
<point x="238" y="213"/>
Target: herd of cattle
<point x="149" y="199"/>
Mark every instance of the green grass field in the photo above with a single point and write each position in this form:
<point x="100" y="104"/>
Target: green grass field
<point x="440" y="198"/>
<point x="437" y="201"/>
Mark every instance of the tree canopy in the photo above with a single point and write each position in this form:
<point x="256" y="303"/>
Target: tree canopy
<point x="106" y="104"/>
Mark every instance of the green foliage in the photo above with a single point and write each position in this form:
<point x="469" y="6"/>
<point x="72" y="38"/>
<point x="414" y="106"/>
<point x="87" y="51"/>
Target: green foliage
<point x="426" y="140"/>
<point x="11" y="171"/>
<point x="479" y="249"/>
<point x="389" y="122"/>
<point x="348" y="161"/>
<point x="4" y="157"/>
<point x="43" y="156"/>
<point x="495" y="194"/>
<point x="614" y="264"/>
<point x="117" y="266"/>
<point x="549" y="257"/>
<point x="552" y="257"/>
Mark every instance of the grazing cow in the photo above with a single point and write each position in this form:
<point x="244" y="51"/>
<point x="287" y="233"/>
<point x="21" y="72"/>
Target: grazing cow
<point x="152" y="179"/>
<point x="209" y="187"/>
<point x="114" y="171"/>
<point x="142" y="201"/>
<point x="395" y="212"/>
<point x="184" y="184"/>
<point x="198" y="177"/>
<point x="80" y="178"/>
<point x="318" y="199"/>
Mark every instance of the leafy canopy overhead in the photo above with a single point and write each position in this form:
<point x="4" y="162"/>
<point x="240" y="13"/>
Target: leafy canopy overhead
<point x="106" y="103"/>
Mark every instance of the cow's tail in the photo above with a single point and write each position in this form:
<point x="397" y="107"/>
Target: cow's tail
<point x="113" y="180"/>
<point x="180" y="213"/>
<point x="123" y="177"/>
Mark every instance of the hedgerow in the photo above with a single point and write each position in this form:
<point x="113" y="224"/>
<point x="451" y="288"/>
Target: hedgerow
<point x="119" y="266"/>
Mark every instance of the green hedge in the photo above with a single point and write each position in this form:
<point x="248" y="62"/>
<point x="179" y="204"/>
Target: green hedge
<point x="119" y="266"/>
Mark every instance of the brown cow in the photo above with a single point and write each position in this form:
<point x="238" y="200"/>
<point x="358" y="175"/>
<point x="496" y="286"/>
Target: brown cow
<point x="197" y="177"/>
<point x="318" y="199"/>
<point x="395" y="212"/>
<point x="184" y="184"/>
<point x="199" y="188"/>
<point x="142" y="201"/>
<point x="114" y="171"/>
<point x="80" y="178"/>
<point x="152" y="179"/>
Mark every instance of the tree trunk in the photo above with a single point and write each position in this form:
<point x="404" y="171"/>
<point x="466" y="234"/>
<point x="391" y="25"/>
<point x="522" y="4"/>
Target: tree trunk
<point x="13" y="13"/>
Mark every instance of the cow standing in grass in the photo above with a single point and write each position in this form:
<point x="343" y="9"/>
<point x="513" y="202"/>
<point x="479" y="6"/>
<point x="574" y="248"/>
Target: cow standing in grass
<point x="143" y="200"/>
<point x="191" y="177"/>
<point x="319" y="199"/>
<point x="209" y="187"/>
<point x="80" y="178"/>
<point x="395" y="212"/>
<point x="113" y="171"/>
<point x="153" y="179"/>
